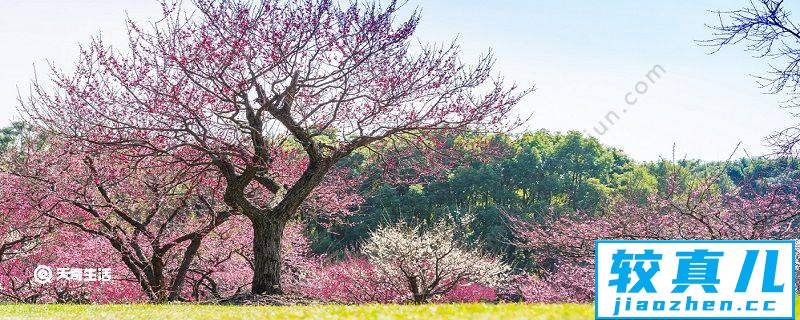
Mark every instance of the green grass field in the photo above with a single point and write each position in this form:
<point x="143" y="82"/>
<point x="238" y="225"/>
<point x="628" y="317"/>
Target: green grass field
<point x="373" y="311"/>
<point x="180" y="312"/>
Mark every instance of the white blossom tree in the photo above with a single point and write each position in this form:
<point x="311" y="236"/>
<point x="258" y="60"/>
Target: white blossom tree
<point x="429" y="262"/>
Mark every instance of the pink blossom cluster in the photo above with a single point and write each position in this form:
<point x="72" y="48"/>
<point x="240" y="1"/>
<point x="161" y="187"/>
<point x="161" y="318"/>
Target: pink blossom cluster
<point x="564" y="246"/>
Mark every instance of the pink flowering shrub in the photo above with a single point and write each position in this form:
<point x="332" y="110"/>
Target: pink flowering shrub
<point x="469" y="292"/>
<point x="564" y="246"/>
<point x="352" y="280"/>
<point x="67" y="249"/>
<point x="569" y="282"/>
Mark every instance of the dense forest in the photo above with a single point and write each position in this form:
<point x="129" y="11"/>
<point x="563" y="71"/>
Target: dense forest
<point x="537" y="176"/>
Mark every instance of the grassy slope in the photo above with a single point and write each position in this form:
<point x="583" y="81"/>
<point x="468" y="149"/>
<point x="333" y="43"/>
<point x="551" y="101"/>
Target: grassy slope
<point x="431" y="311"/>
<point x="475" y="311"/>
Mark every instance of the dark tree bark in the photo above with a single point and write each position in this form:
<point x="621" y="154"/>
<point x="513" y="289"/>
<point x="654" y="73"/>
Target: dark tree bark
<point x="268" y="225"/>
<point x="267" y="234"/>
<point x="180" y="276"/>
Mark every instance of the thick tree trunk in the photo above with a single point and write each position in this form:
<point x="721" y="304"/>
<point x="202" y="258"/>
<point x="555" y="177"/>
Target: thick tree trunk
<point x="156" y="276"/>
<point x="418" y="297"/>
<point x="267" y="234"/>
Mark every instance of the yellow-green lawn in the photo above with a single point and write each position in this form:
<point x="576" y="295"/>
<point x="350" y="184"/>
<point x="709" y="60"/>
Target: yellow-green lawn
<point x="370" y="311"/>
<point x="474" y="311"/>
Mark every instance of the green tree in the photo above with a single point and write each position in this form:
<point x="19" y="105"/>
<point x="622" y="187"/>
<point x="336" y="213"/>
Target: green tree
<point x="539" y="174"/>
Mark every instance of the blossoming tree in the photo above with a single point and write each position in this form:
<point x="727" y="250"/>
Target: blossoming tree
<point x="23" y="232"/>
<point x="154" y="220"/>
<point x="563" y="246"/>
<point x="428" y="262"/>
<point x="240" y="81"/>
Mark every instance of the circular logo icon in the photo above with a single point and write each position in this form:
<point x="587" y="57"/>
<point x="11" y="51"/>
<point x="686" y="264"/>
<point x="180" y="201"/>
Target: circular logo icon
<point x="42" y="274"/>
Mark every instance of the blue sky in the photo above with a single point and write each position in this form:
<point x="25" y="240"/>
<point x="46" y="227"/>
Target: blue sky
<point x="583" y="57"/>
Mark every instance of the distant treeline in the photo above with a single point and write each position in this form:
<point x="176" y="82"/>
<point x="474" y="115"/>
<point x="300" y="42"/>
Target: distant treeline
<point x="535" y="176"/>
